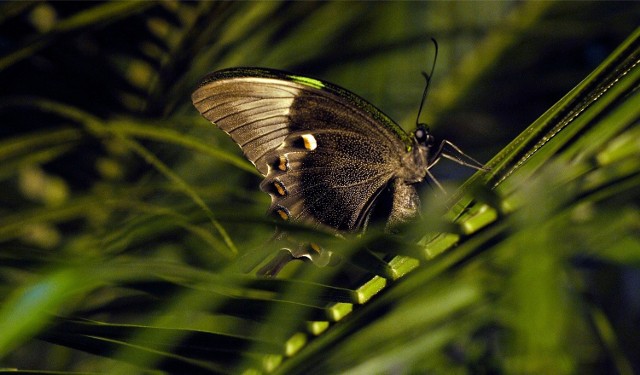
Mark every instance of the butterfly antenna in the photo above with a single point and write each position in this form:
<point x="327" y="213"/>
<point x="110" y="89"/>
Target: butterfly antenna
<point x="428" y="79"/>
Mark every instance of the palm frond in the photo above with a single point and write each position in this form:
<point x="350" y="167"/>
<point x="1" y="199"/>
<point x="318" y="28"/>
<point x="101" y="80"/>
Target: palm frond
<point x="126" y="221"/>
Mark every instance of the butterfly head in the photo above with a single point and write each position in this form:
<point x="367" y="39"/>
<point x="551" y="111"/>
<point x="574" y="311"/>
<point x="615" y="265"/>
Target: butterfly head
<point x="423" y="137"/>
<point x="419" y="159"/>
<point x="427" y="153"/>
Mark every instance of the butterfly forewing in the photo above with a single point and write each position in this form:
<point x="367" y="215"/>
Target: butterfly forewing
<point x="325" y="153"/>
<point x="252" y="110"/>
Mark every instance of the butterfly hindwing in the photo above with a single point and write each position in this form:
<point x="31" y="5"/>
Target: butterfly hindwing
<point x="336" y="181"/>
<point x="325" y="153"/>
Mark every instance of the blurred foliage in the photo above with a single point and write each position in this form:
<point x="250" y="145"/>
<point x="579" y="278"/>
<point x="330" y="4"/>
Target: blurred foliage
<point x="126" y="220"/>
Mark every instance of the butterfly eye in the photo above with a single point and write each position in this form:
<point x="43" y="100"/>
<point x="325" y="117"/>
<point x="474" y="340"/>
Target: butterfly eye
<point x="423" y="136"/>
<point x="430" y="140"/>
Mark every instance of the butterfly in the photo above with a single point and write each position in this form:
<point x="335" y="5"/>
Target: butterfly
<point x="328" y="156"/>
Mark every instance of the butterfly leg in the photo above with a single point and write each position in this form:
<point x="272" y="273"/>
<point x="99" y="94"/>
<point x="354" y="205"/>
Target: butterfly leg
<point x="405" y="206"/>
<point x="460" y="157"/>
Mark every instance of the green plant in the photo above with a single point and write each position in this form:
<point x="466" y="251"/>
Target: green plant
<point x="125" y="218"/>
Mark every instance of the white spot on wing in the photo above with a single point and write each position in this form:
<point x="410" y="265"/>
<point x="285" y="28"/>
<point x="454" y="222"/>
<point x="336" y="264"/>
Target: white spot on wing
<point x="309" y="142"/>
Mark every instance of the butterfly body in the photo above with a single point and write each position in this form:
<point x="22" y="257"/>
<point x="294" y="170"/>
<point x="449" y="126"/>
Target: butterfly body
<point x="327" y="155"/>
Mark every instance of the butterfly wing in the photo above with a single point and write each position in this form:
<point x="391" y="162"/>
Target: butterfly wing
<point x="325" y="153"/>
